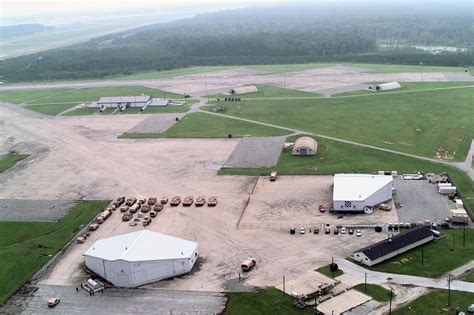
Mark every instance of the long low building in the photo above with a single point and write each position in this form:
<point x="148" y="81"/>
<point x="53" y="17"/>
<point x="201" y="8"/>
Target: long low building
<point x="360" y="192"/>
<point x="385" y="86"/>
<point x="137" y="258"/>
<point x="141" y="101"/>
<point x="393" y="246"/>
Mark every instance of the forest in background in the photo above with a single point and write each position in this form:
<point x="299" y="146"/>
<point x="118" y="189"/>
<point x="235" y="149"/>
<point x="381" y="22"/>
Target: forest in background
<point x="264" y="35"/>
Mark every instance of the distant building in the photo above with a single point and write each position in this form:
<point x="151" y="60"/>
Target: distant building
<point x="393" y="246"/>
<point x="385" y="86"/>
<point x="243" y="90"/>
<point x="360" y="192"/>
<point x="122" y="102"/>
<point x="137" y="258"/>
<point x="305" y="146"/>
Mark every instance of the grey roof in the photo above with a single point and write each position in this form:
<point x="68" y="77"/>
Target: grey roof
<point x="124" y="99"/>
<point x="398" y="242"/>
<point x="159" y="102"/>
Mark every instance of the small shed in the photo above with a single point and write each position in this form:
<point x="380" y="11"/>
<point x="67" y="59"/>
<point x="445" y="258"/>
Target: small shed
<point x="243" y="90"/>
<point x="385" y="86"/>
<point x="305" y="146"/>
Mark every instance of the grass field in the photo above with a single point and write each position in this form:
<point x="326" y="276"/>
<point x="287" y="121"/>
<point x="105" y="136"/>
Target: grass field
<point x="9" y="160"/>
<point x="469" y="276"/>
<point x="408" y="86"/>
<point x="26" y="246"/>
<point x="268" y="91"/>
<point x="268" y="301"/>
<point x="435" y="302"/>
<point x="449" y="246"/>
<point x="378" y="293"/>
<point x="415" y="122"/>
<point x="328" y="273"/>
<point x="149" y="75"/>
<point x="201" y="125"/>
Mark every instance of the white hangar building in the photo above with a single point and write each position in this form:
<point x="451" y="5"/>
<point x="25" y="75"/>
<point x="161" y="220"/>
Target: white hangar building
<point x="133" y="259"/>
<point x="385" y="86"/>
<point x="361" y="192"/>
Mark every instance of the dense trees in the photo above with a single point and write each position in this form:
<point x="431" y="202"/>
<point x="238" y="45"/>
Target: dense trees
<point x="262" y="36"/>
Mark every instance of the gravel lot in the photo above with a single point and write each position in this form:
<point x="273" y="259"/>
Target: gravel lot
<point x="156" y="123"/>
<point x="418" y="200"/>
<point x="32" y="300"/>
<point x="34" y="210"/>
<point x="256" y="152"/>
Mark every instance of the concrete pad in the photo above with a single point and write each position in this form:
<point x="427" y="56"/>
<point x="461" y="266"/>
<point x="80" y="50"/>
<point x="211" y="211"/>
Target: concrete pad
<point x="343" y="302"/>
<point x="256" y="152"/>
<point x="157" y="123"/>
<point x="349" y="280"/>
<point x="306" y="283"/>
<point x="34" y="210"/>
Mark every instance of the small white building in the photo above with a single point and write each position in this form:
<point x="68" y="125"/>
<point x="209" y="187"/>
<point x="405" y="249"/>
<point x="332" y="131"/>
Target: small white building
<point x="360" y="192"/>
<point x="243" y="90"/>
<point x="133" y="259"/>
<point x="305" y="146"/>
<point x="385" y="86"/>
<point x="393" y="246"/>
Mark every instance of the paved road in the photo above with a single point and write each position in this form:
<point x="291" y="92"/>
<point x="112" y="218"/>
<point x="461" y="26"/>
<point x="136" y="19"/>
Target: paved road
<point x="32" y="300"/>
<point x="358" y="272"/>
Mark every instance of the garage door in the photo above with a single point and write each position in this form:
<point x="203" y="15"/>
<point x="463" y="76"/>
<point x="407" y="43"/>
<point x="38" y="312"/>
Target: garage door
<point x="303" y="151"/>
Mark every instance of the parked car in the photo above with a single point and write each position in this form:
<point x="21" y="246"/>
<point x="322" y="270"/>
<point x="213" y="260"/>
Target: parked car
<point x="316" y="230"/>
<point x="336" y="231"/>
<point x="292" y="231"/>
<point x="53" y="302"/>
<point x="343" y="230"/>
<point x="273" y="176"/>
<point x="351" y="231"/>
<point x="248" y="264"/>
<point x="385" y="207"/>
<point x="358" y="233"/>
<point x="327" y="231"/>
<point x="302" y="230"/>
<point x="322" y="209"/>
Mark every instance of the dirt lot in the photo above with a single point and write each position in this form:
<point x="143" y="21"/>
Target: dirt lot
<point x="256" y="152"/>
<point x="293" y="201"/>
<point x="156" y="123"/>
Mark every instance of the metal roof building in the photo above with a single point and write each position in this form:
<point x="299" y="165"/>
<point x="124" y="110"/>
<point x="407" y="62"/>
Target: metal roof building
<point x="383" y="250"/>
<point x="305" y="146"/>
<point x="244" y="90"/>
<point x="385" y="86"/>
<point x="137" y="258"/>
<point x="360" y="192"/>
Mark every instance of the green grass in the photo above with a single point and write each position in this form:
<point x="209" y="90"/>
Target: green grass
<point x="268" y="301"/>
<point x="450" y="247"/>
<point x="275" y="69"/>
<point x="201" y="125"/>
<point x="26" y="246"/>
<point x="327" y="272"/>
<point x="378" y="293"/>
<point x="10" y="160"/>
<point x="147" y="75"/>
<point x="469" y="276"/>
<point x="50" y="109"/>
<point x="134" y="110"/>
<point x="268" y="91"/>
<point x="409" y="86"/>
<point x="74" y="96"/>
<point x="408" y="122"/>
<point x="435" y="303"/>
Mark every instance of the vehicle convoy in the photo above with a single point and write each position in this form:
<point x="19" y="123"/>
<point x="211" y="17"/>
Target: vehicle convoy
<point x="142" y="201"/>
<point x="127" y="216"/>
<point x="130" y="201"/>
<point x="53" y="302"/>
<point x="152" y="201"/>
<point x="118" y="202"/>
<point x="93" y="226"/>
<point x="212" y="201"/>
<point x="135" y="208"/>
<point x="124" y="209"/>
<point x="188" y="201"/>
<point x="145" y="208"/>
<point x="248" y="264"/>
<point x="158" y="207"/>
<point x="200" y="201"/>
<point x="164" y="200"/>
<point x="146" y="220"/>
<point x="175" y="201"/>
<point x="152" y="214"/>
<point x="459" y="216"/>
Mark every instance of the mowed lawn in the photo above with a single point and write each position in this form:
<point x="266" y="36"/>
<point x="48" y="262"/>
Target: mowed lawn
<point x="26" y="246"/>
<point x="409" y="86"/>
<point x="201" y="125"/>
<point x="376" y="292"/>
<point x="439" y="256"/>
<point x="269" y="301"/>
<point x="420" y="123"/>
<point x="436" y="302"/>
<point x="267" y="91"/>
<point x="9" y="160"/>
<point x="55" y="101"/>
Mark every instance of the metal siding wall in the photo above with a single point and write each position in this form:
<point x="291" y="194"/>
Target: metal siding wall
<point x="381" y="195"/>
<point x="95" y="264"/>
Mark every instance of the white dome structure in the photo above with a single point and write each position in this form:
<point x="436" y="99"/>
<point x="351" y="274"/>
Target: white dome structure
<point x="134" y="259"/>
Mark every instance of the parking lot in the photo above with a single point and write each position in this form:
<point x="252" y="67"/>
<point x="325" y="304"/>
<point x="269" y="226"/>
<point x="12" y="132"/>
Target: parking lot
<point x="156" y="123"/>
<point x="418" y="200"/>
<point x="256" y="152"/>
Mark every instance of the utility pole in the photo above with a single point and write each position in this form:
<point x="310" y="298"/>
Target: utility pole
<point x="332" y="269"/>
<point x="365" y="284"/>
<point x="390" y="307"/>
<point x="449" y="289"/>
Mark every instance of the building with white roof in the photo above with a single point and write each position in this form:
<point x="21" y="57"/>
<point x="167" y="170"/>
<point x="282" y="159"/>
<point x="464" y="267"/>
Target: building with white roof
<point x="137" y="258"/>
<point x="385" y="86"/>
<point x="361" y="192"/>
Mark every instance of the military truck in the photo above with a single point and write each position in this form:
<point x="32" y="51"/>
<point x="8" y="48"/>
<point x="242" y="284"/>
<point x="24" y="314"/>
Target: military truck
<point x="152" y="201"/>
<point x="135" y="208"/>
<point x="164" y="200"/>
<point x="158" y="207"/>
<point x="119" y="201"/>
<point x="130" y="201"/>
<point x="127" y="216"/>
<point x="124" y="209"/>
<point x="146" y="208"/>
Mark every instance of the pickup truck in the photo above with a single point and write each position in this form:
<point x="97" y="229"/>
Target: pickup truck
<point x="248" y="264"/>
